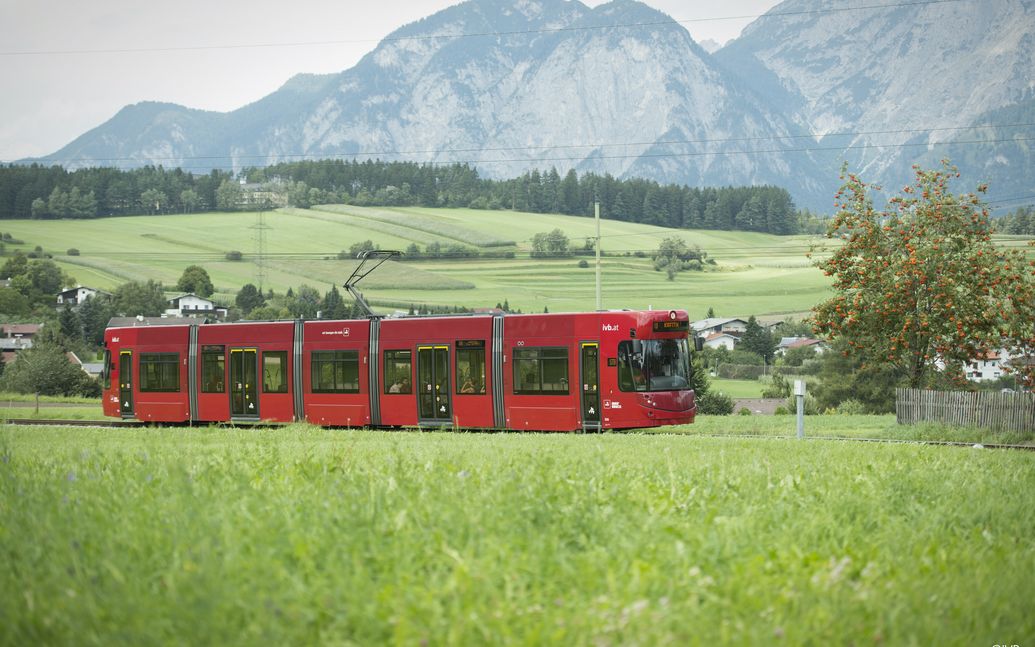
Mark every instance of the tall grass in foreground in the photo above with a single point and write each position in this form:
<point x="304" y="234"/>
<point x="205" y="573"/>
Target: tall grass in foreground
<point x="303" y="535"/>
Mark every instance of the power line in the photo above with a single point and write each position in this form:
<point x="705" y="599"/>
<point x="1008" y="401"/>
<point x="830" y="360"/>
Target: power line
<point x="530" y="160"/>
<point x="497" y="34"/>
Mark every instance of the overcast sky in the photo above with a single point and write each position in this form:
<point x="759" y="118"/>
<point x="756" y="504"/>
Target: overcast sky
<point x="67" y="66"/>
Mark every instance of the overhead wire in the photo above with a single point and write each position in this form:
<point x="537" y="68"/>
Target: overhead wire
<point x="539" y="160"/>
<point x="661" y="142"/>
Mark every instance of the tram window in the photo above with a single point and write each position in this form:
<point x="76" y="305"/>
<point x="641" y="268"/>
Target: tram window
<point x="335" y="371"/>
<point x="160" y="372"/>
<point x="630" y="366"/>
<point x="274" y="371"/>
<point x="541" y="371"/>
<point x="398" y="370"/>
<point x="213" y="362"/>
<point x="108" y="366"/>
<point x="653" y="365"/>
<point x="470" y="367"/>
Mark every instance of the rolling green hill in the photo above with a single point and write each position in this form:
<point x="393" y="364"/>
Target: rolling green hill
<point x="755" y="273"/>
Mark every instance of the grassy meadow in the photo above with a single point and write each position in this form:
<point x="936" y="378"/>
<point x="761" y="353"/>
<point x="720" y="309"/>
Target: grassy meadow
<point x="311" y="536"/>
<point x="756" y="273"/>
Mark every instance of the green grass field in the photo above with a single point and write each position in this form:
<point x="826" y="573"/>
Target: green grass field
<point x="756" y="273"/>
<point x="736" y="388"/>
<point x="311" y="536"/>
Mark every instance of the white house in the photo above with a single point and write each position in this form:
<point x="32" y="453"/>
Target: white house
<point x="75" y="296"/>
<point x="987" y="366"/>
<point x="788" y="343"/>
<point x="191" y="305"/>
<point x="720" y="339"/>
<point x="705" y="327"/>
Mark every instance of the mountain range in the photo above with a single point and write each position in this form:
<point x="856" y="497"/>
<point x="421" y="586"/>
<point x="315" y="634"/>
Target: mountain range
<point x="509" y="85"/>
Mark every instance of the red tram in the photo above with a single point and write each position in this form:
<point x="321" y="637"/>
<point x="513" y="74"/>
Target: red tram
<point x="548" y="372"/>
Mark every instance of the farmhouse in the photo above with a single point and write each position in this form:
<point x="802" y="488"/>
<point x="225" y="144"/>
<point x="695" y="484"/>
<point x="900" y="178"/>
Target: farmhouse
<point x="705" y="327"/>
<point x="987" y="366"/>
<point x="720" y="340"/>
<point x="16" y="337"/>
<point x="191" y="305"/>
<point x="790" y="343"/>
<point x="77" y="295"/>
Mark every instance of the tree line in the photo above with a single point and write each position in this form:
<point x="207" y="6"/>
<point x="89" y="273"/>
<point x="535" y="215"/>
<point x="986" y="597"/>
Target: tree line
<point x="1021" y="222"/>
<point x="37" y="191"/>
<point x="374" y="183"/>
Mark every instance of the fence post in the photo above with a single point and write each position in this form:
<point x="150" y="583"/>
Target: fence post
<point x="799" y="393"/>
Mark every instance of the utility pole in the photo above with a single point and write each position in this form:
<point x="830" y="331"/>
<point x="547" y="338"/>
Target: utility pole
<point x="596" y="215"/>
<point x="260" y="243"/>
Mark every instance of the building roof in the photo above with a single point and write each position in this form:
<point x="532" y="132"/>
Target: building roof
<point x="134" y="322"/>
<point x="81" y="287"/>
<point x="712" y="322"/>
<point x="717" y="335"/>
<point x="803" y="342"/>
<point x="9" y="330"/>
<point x="190" y="294"/>
<point x="785" y="342"/>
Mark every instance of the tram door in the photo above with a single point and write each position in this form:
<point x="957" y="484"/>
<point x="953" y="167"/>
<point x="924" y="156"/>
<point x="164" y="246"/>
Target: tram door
<point x="590" y="380"/>
<point x="244" y="382"/>
<point x="126" y="382"/>
<point x="433" y="384"/>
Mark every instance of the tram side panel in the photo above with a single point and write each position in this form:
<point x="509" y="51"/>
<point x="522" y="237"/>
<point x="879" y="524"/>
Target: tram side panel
<point x="148" y="373"/>
<point x="540" y="363"/>
<point x="245" y="371"/>
<point x="335" y="379"/>
<point x="436" y="371"/>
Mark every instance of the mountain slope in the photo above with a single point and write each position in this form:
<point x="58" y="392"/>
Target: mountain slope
<point x="509" y="85"/>
<point x="901" y="80"/>
<point x="548" y="83"/>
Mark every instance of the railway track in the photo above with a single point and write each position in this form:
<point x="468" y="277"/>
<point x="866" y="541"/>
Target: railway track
<point x="65" y="422"/>
<point x="895" y="441"/>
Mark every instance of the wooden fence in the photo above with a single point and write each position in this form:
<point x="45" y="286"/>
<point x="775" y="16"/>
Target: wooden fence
<point x="990" y="409"/>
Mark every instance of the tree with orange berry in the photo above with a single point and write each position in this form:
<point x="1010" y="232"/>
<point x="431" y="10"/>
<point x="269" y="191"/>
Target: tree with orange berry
<point x="919" y="285"/>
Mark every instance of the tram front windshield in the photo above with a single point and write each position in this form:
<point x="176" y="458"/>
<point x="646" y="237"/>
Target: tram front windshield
<point x="654" y="365"/>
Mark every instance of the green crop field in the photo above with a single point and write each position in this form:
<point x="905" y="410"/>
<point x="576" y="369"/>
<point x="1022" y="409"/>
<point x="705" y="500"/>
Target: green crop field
<point x="307" y="536"/>
<point x="756" y="273"/>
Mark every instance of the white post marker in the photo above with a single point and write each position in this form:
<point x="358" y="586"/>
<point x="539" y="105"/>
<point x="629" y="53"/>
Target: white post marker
<point x="799" y="395"/>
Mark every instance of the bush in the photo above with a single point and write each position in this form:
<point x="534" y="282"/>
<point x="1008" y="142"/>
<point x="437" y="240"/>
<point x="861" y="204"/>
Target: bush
<point x="778" y="387"/>
<point x="715" y="404"/>
<point x="811" y="405"/>
<point x="744" y="412"/>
